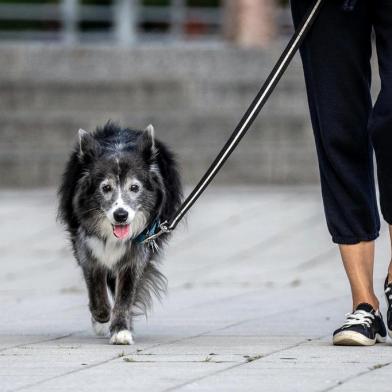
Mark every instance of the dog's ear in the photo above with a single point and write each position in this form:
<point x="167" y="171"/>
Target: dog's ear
<point x="150" y="132"/>
<point x="88" y="146"/>
<point x="147" y="144"/>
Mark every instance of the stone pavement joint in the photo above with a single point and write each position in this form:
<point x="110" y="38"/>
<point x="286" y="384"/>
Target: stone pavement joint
<point x="356" y="376"/>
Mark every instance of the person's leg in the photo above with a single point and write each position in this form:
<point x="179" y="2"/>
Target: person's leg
<point x="381" y="120"/>
<point x="336" y="59"/>
<point x="358" y="261"/>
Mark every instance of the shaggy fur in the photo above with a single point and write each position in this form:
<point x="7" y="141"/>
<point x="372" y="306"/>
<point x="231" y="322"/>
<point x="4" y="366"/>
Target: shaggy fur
<point x="117" y="182"/>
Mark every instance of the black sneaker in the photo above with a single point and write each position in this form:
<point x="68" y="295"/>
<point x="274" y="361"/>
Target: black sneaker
<point x="388" y="297"/>
<point x="363" y="327"/>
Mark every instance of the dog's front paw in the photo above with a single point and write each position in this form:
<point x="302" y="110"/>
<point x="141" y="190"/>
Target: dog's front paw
<point x="122" y="337"/>
<point x="100" y="329"/>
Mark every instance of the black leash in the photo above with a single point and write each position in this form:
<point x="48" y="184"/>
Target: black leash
<point x="246" y="121"/>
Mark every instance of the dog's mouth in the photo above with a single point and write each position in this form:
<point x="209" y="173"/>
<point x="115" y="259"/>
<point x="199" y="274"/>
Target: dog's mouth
<point x="121" y="231"/>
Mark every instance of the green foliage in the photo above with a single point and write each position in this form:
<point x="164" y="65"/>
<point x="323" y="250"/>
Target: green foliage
<point x="161" y="3"/>
<point x="156" y="3"/>
<point x="203" y="3"/>
<point x="96" y="2"/>
<point x="29" y="1"/>
<point x="190" y="3"/>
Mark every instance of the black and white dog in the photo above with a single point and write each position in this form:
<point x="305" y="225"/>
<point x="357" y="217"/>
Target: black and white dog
<point x="117" y="186"/>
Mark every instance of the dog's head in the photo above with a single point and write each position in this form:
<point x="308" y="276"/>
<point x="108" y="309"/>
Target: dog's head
<point x="121" y="190"/>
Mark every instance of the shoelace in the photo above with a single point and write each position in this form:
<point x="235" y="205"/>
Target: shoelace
<point x="359" y="317"/>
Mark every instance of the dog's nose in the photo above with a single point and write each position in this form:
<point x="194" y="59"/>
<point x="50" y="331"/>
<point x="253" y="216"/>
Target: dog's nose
<point x="120" y="215"/>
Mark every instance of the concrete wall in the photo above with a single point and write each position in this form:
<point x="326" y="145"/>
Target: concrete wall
<point x="194" y="96"/>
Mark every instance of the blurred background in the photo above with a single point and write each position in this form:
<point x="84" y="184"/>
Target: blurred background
<point x="256" y="251"/>
<point x="189" y="67"/>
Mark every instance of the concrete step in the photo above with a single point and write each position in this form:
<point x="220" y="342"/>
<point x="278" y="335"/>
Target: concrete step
<point x="68" y="96"/>
<point x="276" y="163"/>
<point x="194" y="96"/>
<point x="146" y="95"/>
<point x="33" y="150"/>
<point x="50" y="62"/>
<point x="59" y="130"/>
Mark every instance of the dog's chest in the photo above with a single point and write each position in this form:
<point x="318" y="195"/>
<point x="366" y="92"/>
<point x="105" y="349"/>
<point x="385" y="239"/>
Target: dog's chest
<point x="107" y="253"/>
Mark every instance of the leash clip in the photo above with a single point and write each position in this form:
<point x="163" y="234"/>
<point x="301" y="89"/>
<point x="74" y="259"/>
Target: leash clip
<point x="163" y="228"/>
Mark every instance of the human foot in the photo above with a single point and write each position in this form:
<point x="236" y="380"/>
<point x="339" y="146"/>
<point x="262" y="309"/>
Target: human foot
<point x="363" y="327"/>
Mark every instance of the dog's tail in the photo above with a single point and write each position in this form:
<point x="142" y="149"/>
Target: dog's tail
<point x="152" y="284"/>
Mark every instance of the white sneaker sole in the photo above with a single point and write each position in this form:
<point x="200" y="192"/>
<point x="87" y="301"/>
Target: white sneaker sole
<point x="351" y="338"/>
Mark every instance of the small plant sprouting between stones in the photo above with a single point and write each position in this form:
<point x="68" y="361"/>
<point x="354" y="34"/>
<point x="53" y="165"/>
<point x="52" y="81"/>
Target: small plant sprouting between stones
<point x="120" y="355"/>
<point x="253" y="357"/>
<point x="128" y="359"/>
<point x="379" y="366"/>
<point x="207" y="358"/>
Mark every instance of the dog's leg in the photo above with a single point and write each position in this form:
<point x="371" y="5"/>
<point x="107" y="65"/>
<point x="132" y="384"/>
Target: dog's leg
<point x="111" y="282"/>
<point x="121" y="323"/>
<point x="99" y="304"/>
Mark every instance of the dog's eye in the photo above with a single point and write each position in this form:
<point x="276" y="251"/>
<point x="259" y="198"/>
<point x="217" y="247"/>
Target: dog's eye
<point x="107" y="188"/>
<point x="134" y="188"/>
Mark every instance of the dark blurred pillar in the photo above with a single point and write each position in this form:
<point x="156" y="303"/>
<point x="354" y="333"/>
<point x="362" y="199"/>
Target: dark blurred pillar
<point x="250" y="23"/>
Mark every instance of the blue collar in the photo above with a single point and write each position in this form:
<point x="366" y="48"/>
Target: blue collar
<point x="150" y="230"/>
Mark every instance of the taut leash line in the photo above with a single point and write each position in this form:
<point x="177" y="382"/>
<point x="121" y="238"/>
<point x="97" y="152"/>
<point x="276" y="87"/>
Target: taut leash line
<point x="246" y="121"/>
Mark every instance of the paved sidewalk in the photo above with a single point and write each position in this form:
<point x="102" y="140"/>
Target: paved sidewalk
<point x="255" y="291"/>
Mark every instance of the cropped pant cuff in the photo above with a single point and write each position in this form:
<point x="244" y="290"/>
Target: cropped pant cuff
<point x="388" y="220"/>
<point x="354" y="240"/>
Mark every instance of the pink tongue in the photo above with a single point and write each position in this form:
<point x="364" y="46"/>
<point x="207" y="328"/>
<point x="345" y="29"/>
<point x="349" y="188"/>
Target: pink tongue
<point x="121" y="231"/>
